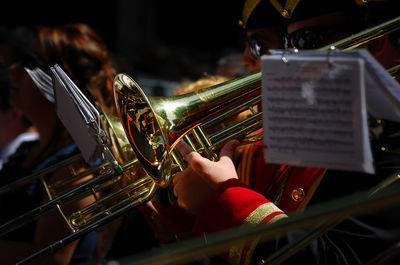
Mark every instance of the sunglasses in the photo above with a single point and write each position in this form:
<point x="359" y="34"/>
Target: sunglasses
<point x="304" y="38"/>
<point x="256" y="47"/>
<point x="312" y="38"/>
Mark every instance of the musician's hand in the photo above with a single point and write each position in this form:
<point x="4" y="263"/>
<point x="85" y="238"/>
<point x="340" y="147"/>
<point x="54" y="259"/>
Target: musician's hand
<point x="194" y="185"/>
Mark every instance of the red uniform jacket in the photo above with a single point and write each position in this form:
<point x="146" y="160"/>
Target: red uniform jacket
<point x="265" y="193"/>
<point x="275" y="191"/>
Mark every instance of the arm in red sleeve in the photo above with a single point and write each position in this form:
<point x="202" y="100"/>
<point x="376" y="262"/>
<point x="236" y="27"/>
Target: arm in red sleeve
<point x="233" y="204"/>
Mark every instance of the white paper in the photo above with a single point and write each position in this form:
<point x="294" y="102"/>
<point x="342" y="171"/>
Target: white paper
<point x="43" y="81"/>
<point x="314" y="112"/>
<point x="78" y="115"/>
<point x="382" y="91"/>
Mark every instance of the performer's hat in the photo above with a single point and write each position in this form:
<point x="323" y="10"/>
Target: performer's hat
<point x="269" y="13"/>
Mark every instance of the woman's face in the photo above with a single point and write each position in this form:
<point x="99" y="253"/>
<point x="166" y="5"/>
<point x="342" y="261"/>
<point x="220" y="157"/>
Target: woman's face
<point x="24" y="94"/>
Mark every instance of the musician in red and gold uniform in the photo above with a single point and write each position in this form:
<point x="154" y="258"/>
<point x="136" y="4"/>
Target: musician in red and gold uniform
<point x="222" y="195"/>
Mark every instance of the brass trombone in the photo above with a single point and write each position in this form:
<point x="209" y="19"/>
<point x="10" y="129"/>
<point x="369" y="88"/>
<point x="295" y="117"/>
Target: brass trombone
<point x="205" y="119"/>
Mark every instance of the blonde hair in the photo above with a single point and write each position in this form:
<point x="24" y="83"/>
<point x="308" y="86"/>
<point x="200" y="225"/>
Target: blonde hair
<point x="203" y="82"/>
<point x="208" y="81"/>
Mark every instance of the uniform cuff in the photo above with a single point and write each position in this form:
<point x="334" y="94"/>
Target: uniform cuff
<point x="229" y="206"/>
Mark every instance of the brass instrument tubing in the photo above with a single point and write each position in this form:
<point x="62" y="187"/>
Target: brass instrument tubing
<point x="132" y="200"/>
<point x="94" y="193"/>
<point x="240" y="124"/>
<point x="386" y="183"/>
<point x="49" y="195"/>
<point x="35" y="213"/>
<point x="252" y="127"/>
<point x="100" y="202"/>
<point x="36" y="175"/>
<point x="72" y="178"/>
<point x="232" y="111"/>
<point x="150" y="194"/>
<point x="65" y="218"/>
<point x="204" y="142"/>
<point x="177" y="159"/>
<point x="97" y="205"/>
<point x="70" y="238"/>
<point x="177" y="163"/>
<point x="366" y="35"/>
<point x="46" y="187"/>
<point x="81" y="191"/>
<point x="187" y="140"/>
<point x="71" y="169"/>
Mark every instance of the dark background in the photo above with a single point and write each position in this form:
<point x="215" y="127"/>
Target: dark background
<point x="159" y="42"/>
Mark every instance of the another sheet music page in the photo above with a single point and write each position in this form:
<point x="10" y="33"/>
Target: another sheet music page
<point x="77" y="114"/>
<point x="314" y="112"/>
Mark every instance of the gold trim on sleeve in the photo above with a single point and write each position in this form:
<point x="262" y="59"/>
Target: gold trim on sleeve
<point x="255" y="217"/>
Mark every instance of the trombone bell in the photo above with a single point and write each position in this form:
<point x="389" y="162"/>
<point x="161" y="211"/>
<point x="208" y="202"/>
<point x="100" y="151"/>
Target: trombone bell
<point x="154" y="125"/>
<point x="142" y="126"/>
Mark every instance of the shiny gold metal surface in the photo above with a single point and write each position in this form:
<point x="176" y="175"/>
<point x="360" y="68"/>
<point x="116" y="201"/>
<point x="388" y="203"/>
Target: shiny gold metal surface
<point x="205" y="119"/>
<point x="112" y="184"/>
<point x="298" y="194"/>
<point x="367" y="35"/>
<point x="115" y="134"/>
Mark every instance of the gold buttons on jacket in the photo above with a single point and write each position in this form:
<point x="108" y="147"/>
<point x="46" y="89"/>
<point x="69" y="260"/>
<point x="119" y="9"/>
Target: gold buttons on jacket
<point x="298" y="194"/>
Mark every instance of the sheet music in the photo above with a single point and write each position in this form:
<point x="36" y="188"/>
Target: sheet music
<point x="314" y="112"/>
<point x="87" y="110"/>
<point x="78" y="115"/>
<point x="382" y="91"/>
<point x="43" y="81"/>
